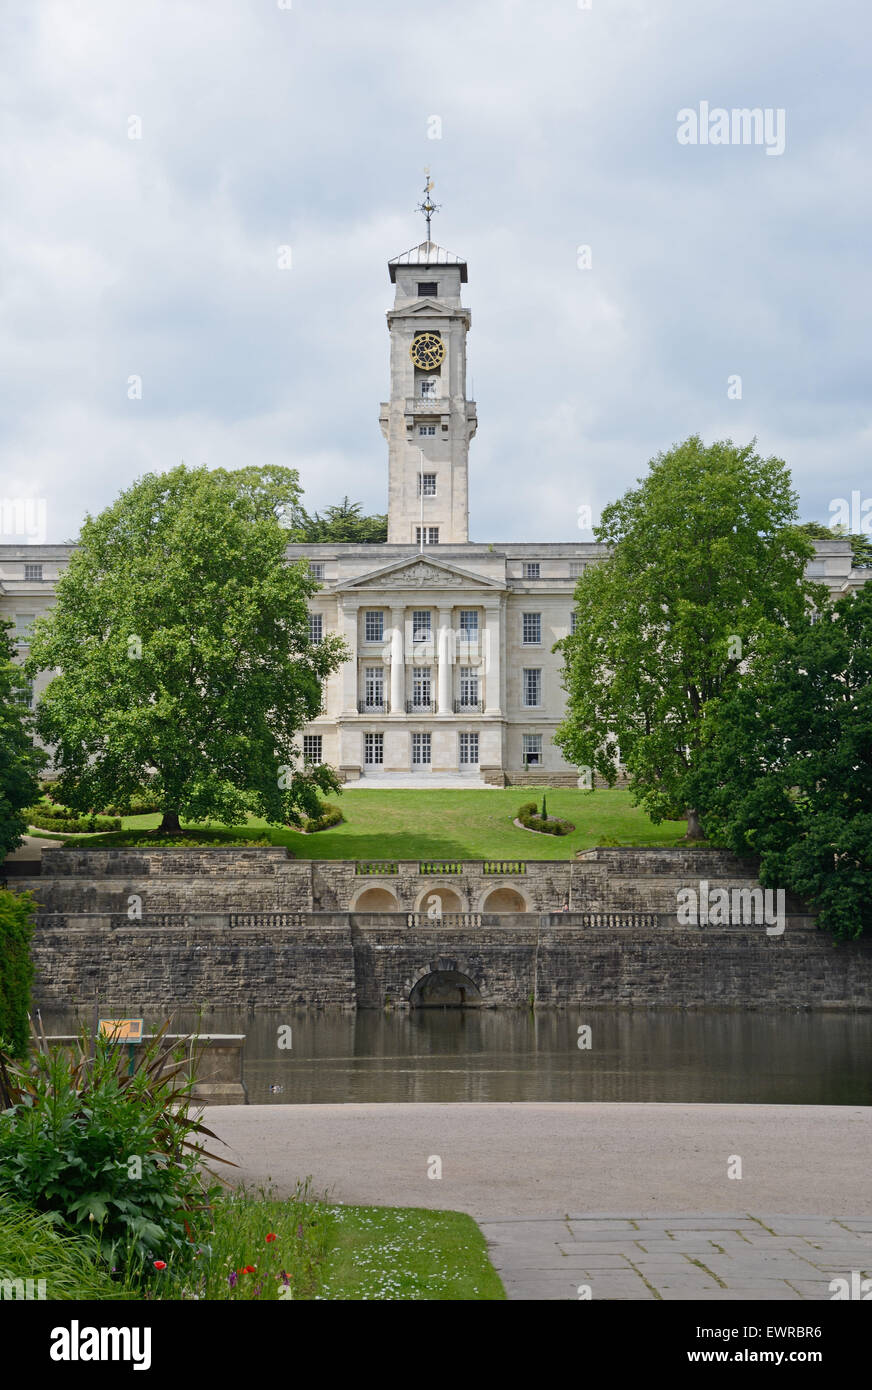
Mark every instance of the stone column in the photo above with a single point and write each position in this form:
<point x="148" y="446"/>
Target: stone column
<point x="398" y="671"/>
<point x="349" y="670"/>
<point x="491" y="658"/>
<point x="446" y="661"/>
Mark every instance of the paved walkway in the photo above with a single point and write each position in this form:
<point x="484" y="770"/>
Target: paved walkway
<point x="700" y="1257"/>
<point x="538" y="1177"/>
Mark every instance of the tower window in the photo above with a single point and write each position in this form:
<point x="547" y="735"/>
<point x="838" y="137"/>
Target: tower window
<point x="431" y="535"/>
<point x="426" y="429"/>
<point x="429" y="387"/>
<point x="428" y="287"/>
<point x="427" y="484"/>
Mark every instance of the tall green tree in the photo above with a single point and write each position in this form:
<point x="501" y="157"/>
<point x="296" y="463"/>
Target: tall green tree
<point x="785" y="769"/>
<point x="705" y="557"/>
<point x="344" y="524"/>
<point x="182" y="644"/>
<point x="20" y="760"/>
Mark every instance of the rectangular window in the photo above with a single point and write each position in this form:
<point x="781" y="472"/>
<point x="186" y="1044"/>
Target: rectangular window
<point x="427" y="429"/>
<point x="469" y="624"/>
<point x="531" y="569"/>
<point x="312" y="748"/>
<point x="429" y="387"/>
<point x="420" y="750"/>
<point x="421" y="625"/>
<point x="469" y="750"/>
<point x="316" y="569"/>
<point x="33" y="572"/>
<point x="373" y="625"/>
<point x="576" y="567"/>
<point x="429" y="481"/>
<point x="23" y="623"/>
<point x="421" y="686"/>
<point x="532" y="688"/>
<point x="374" y="686"/>
<point x="431" y="535"/>
<point x="428" y="288"/>
<point x="532" y="749"/>
<point x="373" y="750"/>
<point x="532" y="630"/>
<point x="573" y="620"/>
<point x="316" y="627"/>
<point x="468" y="685"/>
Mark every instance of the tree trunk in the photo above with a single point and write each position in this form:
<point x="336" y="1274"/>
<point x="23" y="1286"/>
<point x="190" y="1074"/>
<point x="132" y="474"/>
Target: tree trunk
<point x="694" y="826"/>
<point x="170" y="823"/>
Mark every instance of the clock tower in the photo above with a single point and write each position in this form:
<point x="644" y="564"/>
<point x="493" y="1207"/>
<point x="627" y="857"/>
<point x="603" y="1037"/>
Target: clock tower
<point x="428" y="421"/>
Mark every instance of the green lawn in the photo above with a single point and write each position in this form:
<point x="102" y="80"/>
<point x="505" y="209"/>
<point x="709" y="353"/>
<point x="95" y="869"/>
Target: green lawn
<point x="445" y="824"/>
<point x="386" y="1253"/>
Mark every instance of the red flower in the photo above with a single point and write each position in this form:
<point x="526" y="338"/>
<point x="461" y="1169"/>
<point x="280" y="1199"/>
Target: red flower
<point x="160" y="1264"/>
<point x="271" y="1236"/>
<point x="249" y="1269"/>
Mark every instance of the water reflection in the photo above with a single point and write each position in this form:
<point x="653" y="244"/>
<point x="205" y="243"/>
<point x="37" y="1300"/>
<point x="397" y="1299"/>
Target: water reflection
<point x="488" y="1055"/>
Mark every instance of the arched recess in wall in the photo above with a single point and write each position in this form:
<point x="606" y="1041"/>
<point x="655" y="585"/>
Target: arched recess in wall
<point x="374" y="900"/>
<point x="503" y="897"/>
<point x="449" y="899"/>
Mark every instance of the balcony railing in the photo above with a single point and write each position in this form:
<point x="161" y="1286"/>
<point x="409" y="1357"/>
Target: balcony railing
<point x="373" y="707"/>
<point x="420" y="707"/>
<point x="469" y="706"/>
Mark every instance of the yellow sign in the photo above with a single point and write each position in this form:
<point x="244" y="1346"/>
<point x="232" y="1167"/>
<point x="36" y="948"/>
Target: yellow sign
<point x="121" y="1029"/>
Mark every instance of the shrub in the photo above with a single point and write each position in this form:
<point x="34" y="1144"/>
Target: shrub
<point x="529" y="816"/>
<point x="16" y="969"/>
<point x="103" y="1152"/>
<point x="188" y="839"/>
<point x="330" y="815"/>
<point x="64" y="821"/>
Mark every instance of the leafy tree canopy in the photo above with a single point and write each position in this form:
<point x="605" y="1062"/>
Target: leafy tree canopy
<point x="20" y="761"/>
<point x="181" y="640"/>
<point x="786" y="767"/>
<point x="344" y="524"/>
<point x="705" y="557"/>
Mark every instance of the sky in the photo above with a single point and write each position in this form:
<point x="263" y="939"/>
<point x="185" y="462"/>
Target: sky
<point x="154" y="158"/>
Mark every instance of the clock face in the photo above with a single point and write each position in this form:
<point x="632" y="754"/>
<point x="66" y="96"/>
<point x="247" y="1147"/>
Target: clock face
<point x="427" y="351"/>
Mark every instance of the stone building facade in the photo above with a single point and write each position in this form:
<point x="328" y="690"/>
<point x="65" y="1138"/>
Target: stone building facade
<point x="452" y="677"/>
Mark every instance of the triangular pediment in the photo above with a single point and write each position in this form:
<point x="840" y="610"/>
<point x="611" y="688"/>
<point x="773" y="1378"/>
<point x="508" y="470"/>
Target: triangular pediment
<point x="420" y="572"/>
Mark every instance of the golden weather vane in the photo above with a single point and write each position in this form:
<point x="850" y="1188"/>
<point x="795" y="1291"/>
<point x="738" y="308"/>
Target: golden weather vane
<point x="427" y="206"/>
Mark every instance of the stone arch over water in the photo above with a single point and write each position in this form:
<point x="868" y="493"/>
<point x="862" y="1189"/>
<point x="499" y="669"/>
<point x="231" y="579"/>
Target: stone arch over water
<point x="445" y="983"/>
